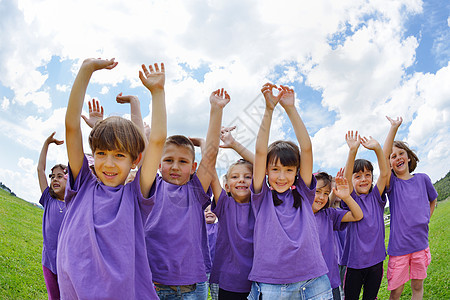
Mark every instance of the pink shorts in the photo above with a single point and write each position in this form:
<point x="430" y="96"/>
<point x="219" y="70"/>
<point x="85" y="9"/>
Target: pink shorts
<point x="405" y="267"/>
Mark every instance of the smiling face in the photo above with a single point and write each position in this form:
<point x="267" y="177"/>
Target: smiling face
<point x="239" y="179"/>
<point x="280" y="177"/>
<point x="210" y="217"/>
<point x="362" y="181"/>
<point x="58" y="182"/>
<point x="112" y="166"/>
<point x="177" y="164"/>
<point x="399" y="161"/>
<point x="323" y="190"/>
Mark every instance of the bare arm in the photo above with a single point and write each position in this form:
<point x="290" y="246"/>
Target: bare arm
<point x="229" y="142"/>
<point x="215" y="183"/>
<point x="135" y="110"/>
<point x="262" y="140"/>
<point x="43" y="184"/>
<point x="287" y="100"/>
<point x="432" y="206"/>
<point x="342" y="191"/>
<point x="74" y="141"/>
<point x="218" y="100"/>
<point x="387" y="147"/>
<point x="154" y="80"/>
<point x="353" y="142"/>
<point x="372" y="144"/>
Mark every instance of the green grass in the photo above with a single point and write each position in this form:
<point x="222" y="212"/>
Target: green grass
<point x="21" y="245"/>
<point x="436" y="285"/>
<point x="20" y="249"/>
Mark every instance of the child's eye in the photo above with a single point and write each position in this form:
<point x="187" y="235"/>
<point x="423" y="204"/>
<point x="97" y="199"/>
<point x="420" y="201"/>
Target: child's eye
<point x="167" y="160"/>
<point x="120" y="155"/>
<point x="100" y="153"/>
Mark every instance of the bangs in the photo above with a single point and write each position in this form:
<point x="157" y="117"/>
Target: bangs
<point x="286" y="152"/>
<point x="116" y="133"/>
<point x="361" y="165"/>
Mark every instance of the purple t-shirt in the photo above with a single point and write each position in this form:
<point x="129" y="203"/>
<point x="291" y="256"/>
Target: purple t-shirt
<point x="339" y="240"/>
<point x="101" y="246"/>
<point x="409" y="203"/>
<point x="286" y="239"/>
<point x="234" y="247"/>
<point x="364" y="245"/>
<point x="211" y="230"/>
<point x="54" y="211"/>
<point x="328" y="221"/>
<point x="175" y="232"/>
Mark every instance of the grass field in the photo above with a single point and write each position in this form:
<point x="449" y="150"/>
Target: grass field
<point x="21" y="246"/>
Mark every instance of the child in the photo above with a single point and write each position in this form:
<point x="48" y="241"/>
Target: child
<point x="176" y="228"/>
<point x="101" y="248"/>
<point x="234" y="254"/>
<point x="364" y="249"/>
<point x="331" y="219"/>
<point x="287" y="261"/>
<point x="212" y="228"/>
<point x="52" y="200"/>
<point x="412" y="199"/>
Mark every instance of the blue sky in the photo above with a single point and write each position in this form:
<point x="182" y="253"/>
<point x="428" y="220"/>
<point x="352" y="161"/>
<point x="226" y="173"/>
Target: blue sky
<point x="350" y="63"/>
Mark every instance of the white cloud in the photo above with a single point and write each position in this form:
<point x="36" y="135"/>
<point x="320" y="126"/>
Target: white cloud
<point x="5" y="103"/>
<point x="62" y="87"/>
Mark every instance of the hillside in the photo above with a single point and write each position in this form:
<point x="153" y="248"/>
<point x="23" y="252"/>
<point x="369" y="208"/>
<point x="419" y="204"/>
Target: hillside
<point x="21" y="245"/>
<point x="442" y="186"/>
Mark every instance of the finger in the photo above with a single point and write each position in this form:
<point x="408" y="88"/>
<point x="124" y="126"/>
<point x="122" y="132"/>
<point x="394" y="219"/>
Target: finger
<point x="101" y="110"/>
<point x="151" y="69"/>
<point x="156" y="67"/>
<point x="96" y="108"/>
<point x="163" y="70"/>
<point x="90" y="107"/>
<point x="144" y="68"/>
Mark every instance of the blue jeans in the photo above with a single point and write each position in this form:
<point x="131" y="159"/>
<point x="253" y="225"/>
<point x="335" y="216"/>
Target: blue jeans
<point x="313" y="289"/>
<point x="200" y="293"/>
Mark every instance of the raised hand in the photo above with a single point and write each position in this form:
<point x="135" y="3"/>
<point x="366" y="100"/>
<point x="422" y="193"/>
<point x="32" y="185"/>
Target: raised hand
<point x="370" y="143"/>
<point x="51" y="139"/>
<point x="220" y="98"/>
<point x="99" y="64"/>
<point x="226" y="137"/>
<point x="353" y="140"/>
<point x="287" y="96"/>
<point x="154" y="79"/>
<point x="126" y="99"/>
<point x="341" y="188"/>
<point x="95" y="113"/>
<point x="198" y="142"/>
<point x="267" y="91"/>
<point x="395" y="123"/>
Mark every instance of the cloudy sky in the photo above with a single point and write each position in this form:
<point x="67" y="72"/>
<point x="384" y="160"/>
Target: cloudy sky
<point x="350" y="62"/>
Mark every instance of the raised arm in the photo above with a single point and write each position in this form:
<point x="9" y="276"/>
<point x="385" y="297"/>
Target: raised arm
<point x="388" y="143"/>
<point x="135" y="110"/>
<point x="74" y="141"/>
<point x="287" y="101"/>
<point x="43" y="184"/>
<point x="230" y="142"/>
<point x="372" y="144"/>
<point x="215" y="183"/>
<point x="259" y="165"/>
<point x="95" y="113"/>
<point x="342" y="191"/>
<point x="218" y="100"/>
<point x="353" y="142"/>
<point x="154" y="81"/>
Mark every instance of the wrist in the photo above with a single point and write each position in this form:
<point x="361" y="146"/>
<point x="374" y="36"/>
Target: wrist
<point x="157" y="92"/>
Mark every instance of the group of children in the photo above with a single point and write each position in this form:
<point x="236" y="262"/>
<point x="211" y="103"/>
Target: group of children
<point x="109" y="236"/>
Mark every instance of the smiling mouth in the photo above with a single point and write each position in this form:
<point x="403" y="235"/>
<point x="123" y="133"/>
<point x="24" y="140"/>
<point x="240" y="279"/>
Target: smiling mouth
<point x="110" y="175"/>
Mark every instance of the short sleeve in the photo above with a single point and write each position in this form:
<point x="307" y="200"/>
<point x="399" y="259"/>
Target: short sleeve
<point x="219" y="208"/>
<point x="75" y="183"/>
<point x="44" y="197"/>
<point x="431" y="191"/>
<point x="202" y="197"/>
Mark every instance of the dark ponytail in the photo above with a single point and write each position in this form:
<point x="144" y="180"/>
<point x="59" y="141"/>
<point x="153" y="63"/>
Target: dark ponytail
<point x="297" y="197"/>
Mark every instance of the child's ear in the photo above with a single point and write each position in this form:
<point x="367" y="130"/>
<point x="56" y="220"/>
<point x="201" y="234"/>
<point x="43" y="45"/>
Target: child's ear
<point x="137" y="160"/>
<point x="227" y="188"/>
<point x="194" y="167"/>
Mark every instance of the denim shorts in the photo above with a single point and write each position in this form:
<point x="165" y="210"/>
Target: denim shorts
<point x="315" y="289"/>
<point x="168" y="293"/>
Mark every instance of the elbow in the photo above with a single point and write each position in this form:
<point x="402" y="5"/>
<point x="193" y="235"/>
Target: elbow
<point x="360" y="217"/>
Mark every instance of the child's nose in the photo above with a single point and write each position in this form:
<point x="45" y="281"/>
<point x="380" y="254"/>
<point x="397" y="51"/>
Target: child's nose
<point x="109" y="161"/>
